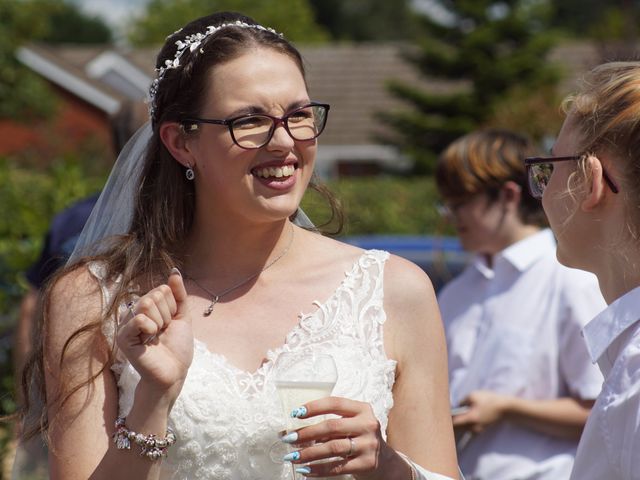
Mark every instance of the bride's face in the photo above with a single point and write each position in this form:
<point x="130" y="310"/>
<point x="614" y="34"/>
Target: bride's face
<point x="231" y="180"/>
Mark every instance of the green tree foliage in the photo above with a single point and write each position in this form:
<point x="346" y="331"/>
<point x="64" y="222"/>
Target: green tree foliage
<point x="29" y="199"/>
<point x="366" y="20"/>
<point x="598" y="19"/>
<point x="24" y="95"/>
<point x="67" y="24"/>
<point x="381" y="205"/>
<point x="294" y="18"/>
<point x="493" y="51"/>
<point x="24" y="223"/>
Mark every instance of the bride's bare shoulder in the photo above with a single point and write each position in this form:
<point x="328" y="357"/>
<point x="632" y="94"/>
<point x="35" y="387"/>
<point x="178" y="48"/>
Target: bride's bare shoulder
<point x="405" y="278"/>
<point x="328" y="249"/>
<point x="408" y="292"/>
<point x="73" y="301"/>
<point x="75" y="285"/>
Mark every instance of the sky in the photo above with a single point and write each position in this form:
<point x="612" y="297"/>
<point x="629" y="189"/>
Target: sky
<point x="114" y="12"/>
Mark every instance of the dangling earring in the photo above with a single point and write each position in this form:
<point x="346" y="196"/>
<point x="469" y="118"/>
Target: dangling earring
<point x="190" y="174"/>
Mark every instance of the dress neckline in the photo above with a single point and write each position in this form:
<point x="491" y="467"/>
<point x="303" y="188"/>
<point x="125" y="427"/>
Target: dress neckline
<point x="272" y="353"/>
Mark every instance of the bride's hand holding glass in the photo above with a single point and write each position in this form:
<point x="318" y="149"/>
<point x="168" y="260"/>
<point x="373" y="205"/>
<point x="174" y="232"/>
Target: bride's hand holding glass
<point x="350" y="443"/>
<point x="155" y="335"/>
<point x="300" y="377"/>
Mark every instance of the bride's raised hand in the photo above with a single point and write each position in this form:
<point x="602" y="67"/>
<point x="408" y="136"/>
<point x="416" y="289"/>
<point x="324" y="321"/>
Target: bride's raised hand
<point x="156" y="335"/>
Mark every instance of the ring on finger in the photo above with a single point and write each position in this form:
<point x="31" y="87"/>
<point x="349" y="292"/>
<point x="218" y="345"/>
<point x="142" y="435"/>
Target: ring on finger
<point x="352" y="447"/>
<point x="130" y="306"/>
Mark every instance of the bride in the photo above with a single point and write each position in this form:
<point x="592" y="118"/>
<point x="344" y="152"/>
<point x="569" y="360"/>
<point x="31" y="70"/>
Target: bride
<point x="198" y="269"/>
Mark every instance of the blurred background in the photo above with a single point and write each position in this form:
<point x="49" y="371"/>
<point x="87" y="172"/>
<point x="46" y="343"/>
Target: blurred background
<point x="404" y="78"/>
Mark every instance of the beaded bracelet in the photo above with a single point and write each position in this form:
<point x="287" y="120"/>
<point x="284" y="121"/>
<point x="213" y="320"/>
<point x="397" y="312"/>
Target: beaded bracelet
<point x="151" y="446"/>
<point x="412" y="471"/>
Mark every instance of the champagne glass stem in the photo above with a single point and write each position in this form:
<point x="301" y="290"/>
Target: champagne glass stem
<point x="293" y="471"/>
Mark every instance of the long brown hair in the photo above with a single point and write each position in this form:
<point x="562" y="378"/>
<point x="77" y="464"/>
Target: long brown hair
<point x="164" y="204"/>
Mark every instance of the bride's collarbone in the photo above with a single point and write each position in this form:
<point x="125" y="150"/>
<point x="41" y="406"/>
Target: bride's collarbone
<point x="243" y="338"/>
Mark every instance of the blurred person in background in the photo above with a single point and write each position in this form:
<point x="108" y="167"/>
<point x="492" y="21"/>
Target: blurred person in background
<point x="60" y="240"/>
<point x="521" y="381"/>
<point x="58" y="245"/>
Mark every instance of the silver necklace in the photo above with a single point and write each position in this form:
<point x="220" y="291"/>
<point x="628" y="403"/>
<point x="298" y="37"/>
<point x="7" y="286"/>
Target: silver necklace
<point x="215" y="298"/>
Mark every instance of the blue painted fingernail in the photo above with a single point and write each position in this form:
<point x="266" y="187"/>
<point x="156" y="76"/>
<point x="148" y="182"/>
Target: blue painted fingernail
<point x="290" y="437"/>
<point x="290" y="457"/>
<point x="303" y="470"/>
<point x="299" y="412"/>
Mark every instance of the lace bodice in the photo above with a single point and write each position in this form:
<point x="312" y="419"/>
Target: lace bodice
<point x="226" y="419"/>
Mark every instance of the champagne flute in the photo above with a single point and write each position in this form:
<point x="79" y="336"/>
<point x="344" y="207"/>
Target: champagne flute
<point x="301" y="377"/>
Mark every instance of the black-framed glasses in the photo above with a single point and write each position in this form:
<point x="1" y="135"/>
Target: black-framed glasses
<point x="255" y="130"/>
<point x="539" y="170"/>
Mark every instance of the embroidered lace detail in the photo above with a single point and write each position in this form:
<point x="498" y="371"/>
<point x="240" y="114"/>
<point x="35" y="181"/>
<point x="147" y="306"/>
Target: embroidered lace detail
<point x="227" y="419"/>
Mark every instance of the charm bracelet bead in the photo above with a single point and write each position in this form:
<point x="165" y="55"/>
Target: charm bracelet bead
<point x="151" y="446"/>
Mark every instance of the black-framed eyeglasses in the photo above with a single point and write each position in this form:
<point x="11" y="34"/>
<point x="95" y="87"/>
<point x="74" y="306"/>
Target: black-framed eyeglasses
<point x="539" y="170"/>
<point x="255" y="130"/>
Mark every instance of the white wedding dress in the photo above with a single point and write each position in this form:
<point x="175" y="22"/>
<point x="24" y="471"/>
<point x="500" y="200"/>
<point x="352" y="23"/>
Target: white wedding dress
<point x="227" y="419"/>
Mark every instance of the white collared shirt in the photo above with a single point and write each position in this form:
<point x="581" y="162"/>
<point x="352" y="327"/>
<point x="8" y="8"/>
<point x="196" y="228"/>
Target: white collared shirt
<point x="610" y="444"/>
<point x="515" y="329"/>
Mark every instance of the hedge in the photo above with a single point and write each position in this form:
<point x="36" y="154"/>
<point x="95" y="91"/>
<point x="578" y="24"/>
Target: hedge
<point x="377" y="205"/>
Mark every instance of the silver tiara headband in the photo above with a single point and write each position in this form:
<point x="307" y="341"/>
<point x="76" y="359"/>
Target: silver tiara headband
<point x="191" y="43"/>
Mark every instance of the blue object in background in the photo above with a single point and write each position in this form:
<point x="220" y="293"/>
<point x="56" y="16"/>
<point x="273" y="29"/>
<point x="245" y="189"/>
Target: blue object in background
<point x="442" y="258"/>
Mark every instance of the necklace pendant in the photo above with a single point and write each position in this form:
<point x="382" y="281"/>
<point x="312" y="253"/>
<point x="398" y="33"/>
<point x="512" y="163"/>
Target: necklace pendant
<point x="216" y="298"/>
<point x="209" y="309"/>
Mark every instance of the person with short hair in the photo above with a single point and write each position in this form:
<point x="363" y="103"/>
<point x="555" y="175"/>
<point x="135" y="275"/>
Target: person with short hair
<point x="197" y="269"/>
<point x="520" y="377"/>
<point x="590" y="192"/>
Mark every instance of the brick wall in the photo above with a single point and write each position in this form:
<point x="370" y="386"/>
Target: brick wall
<point x="75" y="126"/>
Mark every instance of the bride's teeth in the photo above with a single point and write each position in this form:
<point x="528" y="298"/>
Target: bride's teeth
<point x="277" y="172"/>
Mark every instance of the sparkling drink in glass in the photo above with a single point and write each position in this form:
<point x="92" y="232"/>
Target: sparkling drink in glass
<point x="299" y="379"/>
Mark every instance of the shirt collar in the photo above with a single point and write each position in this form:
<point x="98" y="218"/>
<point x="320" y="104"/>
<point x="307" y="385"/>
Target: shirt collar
<point x="609" y="324"/>
<point x="521" y="254"/>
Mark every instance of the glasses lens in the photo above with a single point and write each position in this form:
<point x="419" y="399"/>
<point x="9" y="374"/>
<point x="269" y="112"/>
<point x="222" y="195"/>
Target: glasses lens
<point x="307" y="123"/>
<point x="444" y="211"/>
<point x="252" y="131"/>
<point x="539" y="175"/>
